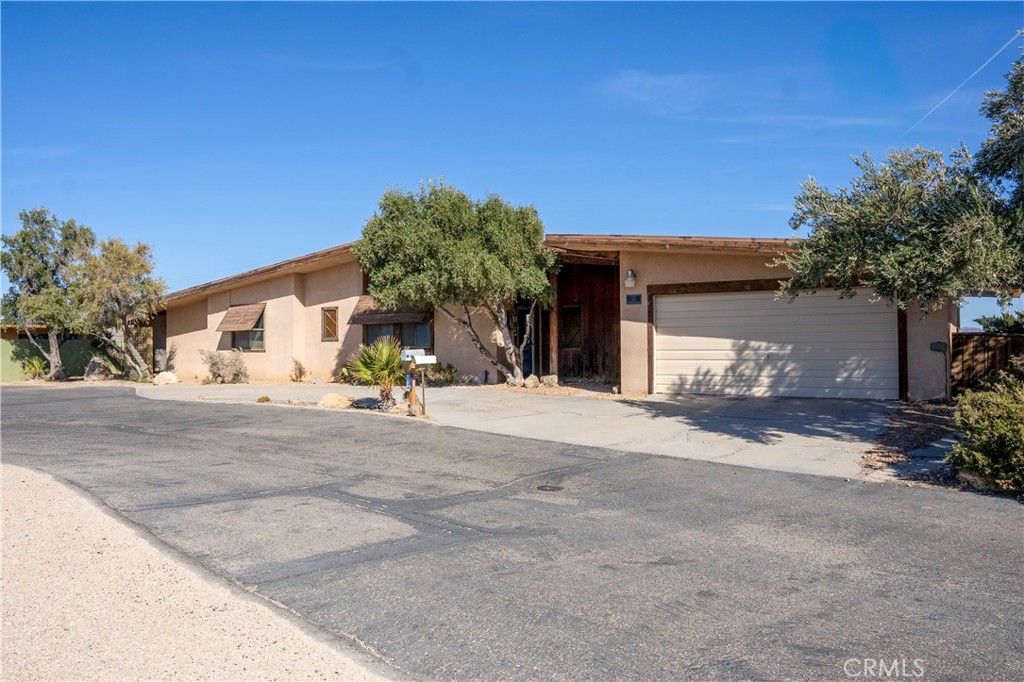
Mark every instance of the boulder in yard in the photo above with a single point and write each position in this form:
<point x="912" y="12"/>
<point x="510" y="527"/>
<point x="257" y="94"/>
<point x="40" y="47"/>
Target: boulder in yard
<point x="165" y="378"/>
<point x="335" y="400"/>
<point x="532" y="381"/>
<point x="550" y="380"/>
<point x="97" y="370"/>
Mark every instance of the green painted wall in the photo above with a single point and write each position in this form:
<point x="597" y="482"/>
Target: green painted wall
<point x="74" y="353"/>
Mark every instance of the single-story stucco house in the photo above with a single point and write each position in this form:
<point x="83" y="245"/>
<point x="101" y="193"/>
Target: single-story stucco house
<point x="653" y="314"/>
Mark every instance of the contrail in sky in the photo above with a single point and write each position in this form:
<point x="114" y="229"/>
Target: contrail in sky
<point x="998" y="52"/>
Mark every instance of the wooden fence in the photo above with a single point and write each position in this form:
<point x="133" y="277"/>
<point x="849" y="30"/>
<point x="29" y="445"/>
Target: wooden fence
<point x="976" y="355"/>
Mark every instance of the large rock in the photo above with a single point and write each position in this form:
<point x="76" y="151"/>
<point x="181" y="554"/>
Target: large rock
<point x="532" y="381"/>
<point x="97" y="370"/>
<point x="335" y="400"/>
<point x="165" y="378"/>
<point x="549" y="380"/>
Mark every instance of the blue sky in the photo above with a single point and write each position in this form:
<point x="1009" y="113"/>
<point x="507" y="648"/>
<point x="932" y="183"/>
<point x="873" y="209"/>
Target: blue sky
<point x="233" y="135"/>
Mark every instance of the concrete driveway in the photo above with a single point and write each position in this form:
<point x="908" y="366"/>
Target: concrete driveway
<point x="808" y="436"/>
<point x="460" y="555"/>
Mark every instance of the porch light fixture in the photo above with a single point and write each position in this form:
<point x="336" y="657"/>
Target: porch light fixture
<point x="630" y="279"/>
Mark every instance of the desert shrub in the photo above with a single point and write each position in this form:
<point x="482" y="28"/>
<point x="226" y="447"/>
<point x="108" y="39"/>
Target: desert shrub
<point x="35" y="367"/>
<point x="298" y="371"/>
<point x="442" y="375"/>
<point x="263" y="399"/>
<point x="345" y="376"/>
<point x="992" y="422"/>
<point x="226" y="368"/>
<point x="380" y="365"/>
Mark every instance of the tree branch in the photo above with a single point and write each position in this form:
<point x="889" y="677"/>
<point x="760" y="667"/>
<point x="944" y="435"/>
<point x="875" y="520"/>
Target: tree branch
<point x="32" y="340"/>
<point x="467" y="325"/>
<point x="529" y="328"/>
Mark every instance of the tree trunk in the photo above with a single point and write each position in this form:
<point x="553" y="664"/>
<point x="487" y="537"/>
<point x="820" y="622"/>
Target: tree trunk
<point x="467" y="325"/>
<point x="513" y="354"/>
<point x="125" y="353"/>
<point x="134" y="358"/>
<point x="53" y="357"/>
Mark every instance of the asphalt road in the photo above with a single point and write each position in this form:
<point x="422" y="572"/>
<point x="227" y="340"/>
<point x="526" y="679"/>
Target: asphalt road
<point x="437" y="548"/>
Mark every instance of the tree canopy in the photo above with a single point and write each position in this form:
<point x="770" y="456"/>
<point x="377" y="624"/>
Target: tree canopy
<point x="117" y="294"/>
<point x="38" y="260"/>
<point x="437" y="247"/>
<point x="1001" y="157"/>
<point x="62" y="280"/>
<point x="917" y="227"/>
<point x="1008" y="322"/>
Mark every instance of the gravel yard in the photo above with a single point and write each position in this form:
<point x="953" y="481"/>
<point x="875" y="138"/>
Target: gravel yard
<point x="87" y="597"/>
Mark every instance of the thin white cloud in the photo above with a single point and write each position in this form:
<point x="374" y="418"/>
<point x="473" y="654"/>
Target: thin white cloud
<point x="808" y="120"/>
<point x="44" y="153"/>
<point x="720" y="98"/>
<point x="329" y="65"/>
<point x="669" y="91"/>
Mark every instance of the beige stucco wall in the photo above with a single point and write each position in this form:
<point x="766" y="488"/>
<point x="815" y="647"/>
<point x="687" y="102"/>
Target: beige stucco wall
<point x="670" y="268"/>
<point x="293" y="328"/>
<point x="452" y="344"/>
<point x="192" y="327"/>
<point x="279" y="320"/>
<point x="928" y="370"/>
<point x="335" y="287"/>
<point x="188" y="331"/>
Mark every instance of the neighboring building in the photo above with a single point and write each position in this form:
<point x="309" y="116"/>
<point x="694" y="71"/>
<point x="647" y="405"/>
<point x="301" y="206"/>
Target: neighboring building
<point x="15" y="349"/>
<point x="654" y="314"/>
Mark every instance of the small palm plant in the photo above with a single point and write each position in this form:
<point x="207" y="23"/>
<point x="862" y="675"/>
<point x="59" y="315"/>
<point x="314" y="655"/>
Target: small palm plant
<point x="380" y="365"/>
<point x="35" y="367"/>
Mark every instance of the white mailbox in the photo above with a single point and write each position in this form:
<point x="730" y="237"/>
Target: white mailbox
<point x="422" y="360"/>
<point x="409" y="353"/>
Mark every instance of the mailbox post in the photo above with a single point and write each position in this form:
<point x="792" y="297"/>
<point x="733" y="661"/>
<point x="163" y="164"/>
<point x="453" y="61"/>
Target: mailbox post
<point x="417" y="358"/>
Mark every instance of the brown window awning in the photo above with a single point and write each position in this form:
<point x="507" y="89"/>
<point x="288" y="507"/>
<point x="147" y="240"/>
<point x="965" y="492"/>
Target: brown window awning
<point x="241" y="318"/>
<point x="369" y="312"/>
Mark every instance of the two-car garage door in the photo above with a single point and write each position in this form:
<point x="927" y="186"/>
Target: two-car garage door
<point x="746" y="343"/>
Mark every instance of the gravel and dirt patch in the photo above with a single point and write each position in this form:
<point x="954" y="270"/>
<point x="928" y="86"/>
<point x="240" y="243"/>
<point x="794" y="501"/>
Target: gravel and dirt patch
<point x="912" y="427"/>
<point x="594" y="391"/>
<point x="87" y="597"/>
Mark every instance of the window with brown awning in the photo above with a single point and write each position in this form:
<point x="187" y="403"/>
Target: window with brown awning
<point x="367" y="311"/>
<point x="241" y="318"/>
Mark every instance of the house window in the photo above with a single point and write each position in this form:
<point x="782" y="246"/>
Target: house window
<point x="570" y="327"/>
<point x="251" y="340"/>
<point x="409" y="334"/>
<point x="328" y="324"/>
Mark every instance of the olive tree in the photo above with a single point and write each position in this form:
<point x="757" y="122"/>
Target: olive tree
<point x="917" y="227"/>
<point x="438" y="248"/>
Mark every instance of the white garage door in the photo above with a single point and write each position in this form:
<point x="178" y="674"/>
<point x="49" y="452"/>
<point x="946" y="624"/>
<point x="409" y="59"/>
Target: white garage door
<point x="746" y="343"/>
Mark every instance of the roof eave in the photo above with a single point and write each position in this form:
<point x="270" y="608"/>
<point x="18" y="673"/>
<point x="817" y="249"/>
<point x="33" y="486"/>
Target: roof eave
<point x="342" y="253"/>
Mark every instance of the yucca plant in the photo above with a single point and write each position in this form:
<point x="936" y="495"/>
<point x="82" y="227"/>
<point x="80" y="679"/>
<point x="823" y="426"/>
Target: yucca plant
<point x="380" y="365"/>
<point x="35" y="367"/>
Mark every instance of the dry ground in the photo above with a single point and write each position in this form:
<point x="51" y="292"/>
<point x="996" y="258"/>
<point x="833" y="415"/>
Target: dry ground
<point x="86" y="597"/>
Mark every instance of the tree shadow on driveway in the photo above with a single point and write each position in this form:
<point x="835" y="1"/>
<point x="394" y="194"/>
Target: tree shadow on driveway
<point x="774" y="420"/>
